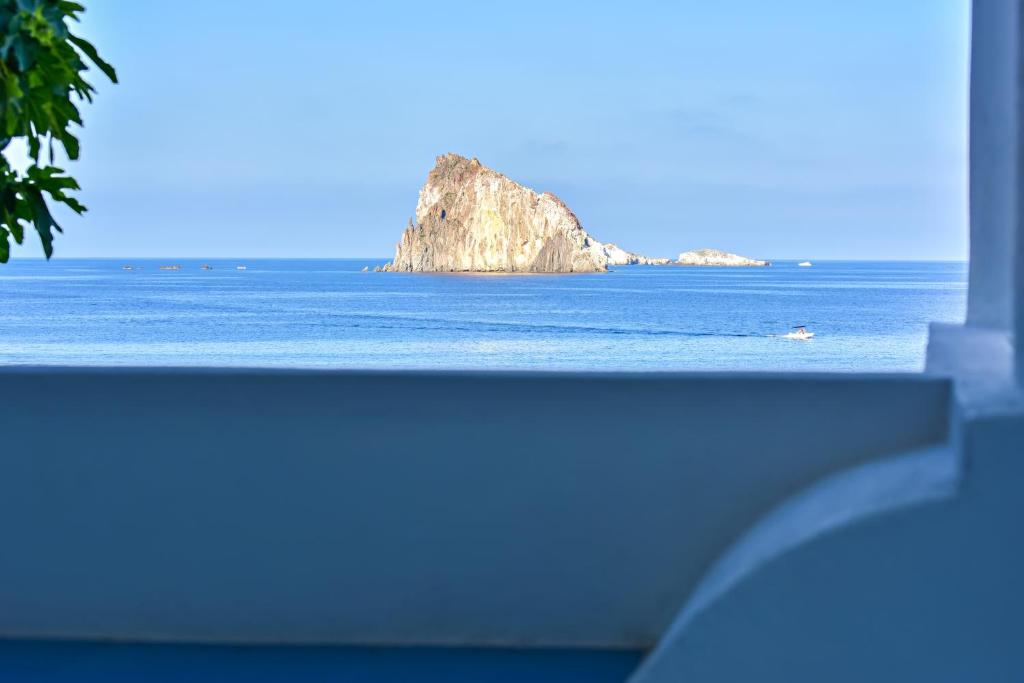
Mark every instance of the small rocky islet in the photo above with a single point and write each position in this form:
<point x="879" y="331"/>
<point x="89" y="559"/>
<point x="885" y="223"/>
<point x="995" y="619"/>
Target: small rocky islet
<point x="472" y="219"/>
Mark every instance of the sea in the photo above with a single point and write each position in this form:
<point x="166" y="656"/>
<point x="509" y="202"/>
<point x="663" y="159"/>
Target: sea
<point x="328" y="313"/>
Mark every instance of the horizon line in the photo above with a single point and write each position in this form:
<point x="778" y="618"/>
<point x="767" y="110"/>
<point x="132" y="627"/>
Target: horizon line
<point x="379" y="258"/>
<point x="388" y="259"/>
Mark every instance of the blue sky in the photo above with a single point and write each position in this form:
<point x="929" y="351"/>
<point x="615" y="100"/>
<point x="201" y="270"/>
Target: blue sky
<point x="783" y="129"/>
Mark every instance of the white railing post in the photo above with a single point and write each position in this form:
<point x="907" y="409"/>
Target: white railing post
<point x="994" y="163"/>
<point x="983" y="355"/>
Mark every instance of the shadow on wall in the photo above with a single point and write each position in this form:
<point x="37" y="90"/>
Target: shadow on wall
<point x="57" y="662"/>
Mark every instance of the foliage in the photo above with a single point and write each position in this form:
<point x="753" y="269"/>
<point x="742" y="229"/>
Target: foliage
<point x="41" y="78"/>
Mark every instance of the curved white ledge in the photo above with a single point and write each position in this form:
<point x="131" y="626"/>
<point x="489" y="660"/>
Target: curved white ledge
<point x="838" y="501"/>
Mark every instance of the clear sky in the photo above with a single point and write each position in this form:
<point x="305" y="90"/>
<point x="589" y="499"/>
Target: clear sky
<point x="776" y="129"/>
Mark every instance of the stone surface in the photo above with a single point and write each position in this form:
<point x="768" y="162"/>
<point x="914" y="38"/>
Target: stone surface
<point x="714" y="257"/>
<point x="617" y="256"/>
<point x="470" y="218"/>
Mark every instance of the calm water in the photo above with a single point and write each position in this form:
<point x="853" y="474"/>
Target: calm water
<point x="326" y="313"/>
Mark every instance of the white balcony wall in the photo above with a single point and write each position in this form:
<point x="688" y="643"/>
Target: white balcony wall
<point x="403" y="508"/>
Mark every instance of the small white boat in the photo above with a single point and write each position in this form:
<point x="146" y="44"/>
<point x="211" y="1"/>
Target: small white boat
<point x="805" y="264"/>
<point x="799" y="333"/>
<point x="240" y="267"/>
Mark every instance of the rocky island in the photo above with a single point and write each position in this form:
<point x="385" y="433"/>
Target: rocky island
<point x="715" y="257"/>
<point x="472" y="219"/>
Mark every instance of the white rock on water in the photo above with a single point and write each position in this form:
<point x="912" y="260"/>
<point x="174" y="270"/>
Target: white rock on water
<point x="714" y="257"/>
<point x="617" y="256"/>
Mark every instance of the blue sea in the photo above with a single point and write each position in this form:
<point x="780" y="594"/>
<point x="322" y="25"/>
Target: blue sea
<point x="867" y="316"/>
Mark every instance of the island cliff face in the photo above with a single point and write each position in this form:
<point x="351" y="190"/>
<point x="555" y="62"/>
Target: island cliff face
<point x="472" y="219"/>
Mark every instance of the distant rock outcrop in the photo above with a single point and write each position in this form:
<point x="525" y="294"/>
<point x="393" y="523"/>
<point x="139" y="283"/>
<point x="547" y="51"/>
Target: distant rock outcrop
<point x="617" y="256"/>
<point x="472" y="219"/>
<point x="714" y="257"/>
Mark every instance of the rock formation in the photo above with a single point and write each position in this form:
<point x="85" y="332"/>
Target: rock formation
<point x="714" y="257"/>
<point x="470" y="218"/>
<point x="617" y="256"/>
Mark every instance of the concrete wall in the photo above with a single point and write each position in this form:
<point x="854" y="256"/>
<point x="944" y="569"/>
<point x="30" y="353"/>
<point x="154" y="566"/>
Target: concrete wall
<point x="404" y="508"/>
<point x="906" y="569"/>
<point x="926" y="592"/>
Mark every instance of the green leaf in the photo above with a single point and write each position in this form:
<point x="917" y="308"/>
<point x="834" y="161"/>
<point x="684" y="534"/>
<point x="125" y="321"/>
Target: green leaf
<point x="33" y="147"/>
<point x="22" y="54"/>
<point x="74" y="204"/>
<point x="45" y="225"/>
<point x="14" y="227"/>
<point x="86" y="47"/>
<point x="70" y="143"/>
<point x="42" y="80"/>
<point x="70" y="8"/>
<point x="5" y="246"/>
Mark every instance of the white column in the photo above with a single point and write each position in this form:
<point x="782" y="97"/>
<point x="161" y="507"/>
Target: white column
<point x="994" y="163"/>
<point x="983" y="355"/>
